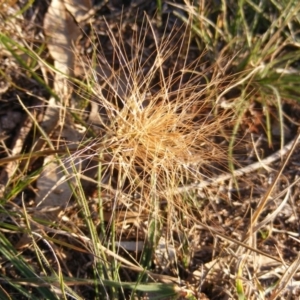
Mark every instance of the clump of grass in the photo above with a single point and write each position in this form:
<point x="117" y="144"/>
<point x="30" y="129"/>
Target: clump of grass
<point x="159" y="124"/>
<point x="156" y="124"/>
<point x="159" y="129"/>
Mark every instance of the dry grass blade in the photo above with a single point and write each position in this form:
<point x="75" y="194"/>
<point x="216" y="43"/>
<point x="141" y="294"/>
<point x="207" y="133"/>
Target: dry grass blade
<point x="12" y="167"/>
<point x="286" y="278"/>
<point x="263" y="202"/>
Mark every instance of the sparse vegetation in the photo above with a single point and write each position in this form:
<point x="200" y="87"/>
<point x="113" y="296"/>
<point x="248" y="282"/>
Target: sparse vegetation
<point x="149" y="150"/>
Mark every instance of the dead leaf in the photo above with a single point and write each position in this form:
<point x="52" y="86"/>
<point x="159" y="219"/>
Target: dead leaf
<point x="61" y="31"/>
<point x="53" y="185"/>
<point x="78" y="8"/>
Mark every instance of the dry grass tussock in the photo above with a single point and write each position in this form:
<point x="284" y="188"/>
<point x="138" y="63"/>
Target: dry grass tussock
<point x="159" y="127"/>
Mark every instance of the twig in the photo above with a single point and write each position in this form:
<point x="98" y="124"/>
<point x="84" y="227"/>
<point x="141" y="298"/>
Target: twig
<point x="245" y="170"/>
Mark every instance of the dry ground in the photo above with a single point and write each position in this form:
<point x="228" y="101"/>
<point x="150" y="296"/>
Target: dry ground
<point x="210" y="250"/>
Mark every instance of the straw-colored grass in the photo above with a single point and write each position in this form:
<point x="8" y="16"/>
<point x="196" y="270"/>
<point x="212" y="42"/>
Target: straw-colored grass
<point x="171" y="110"/>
